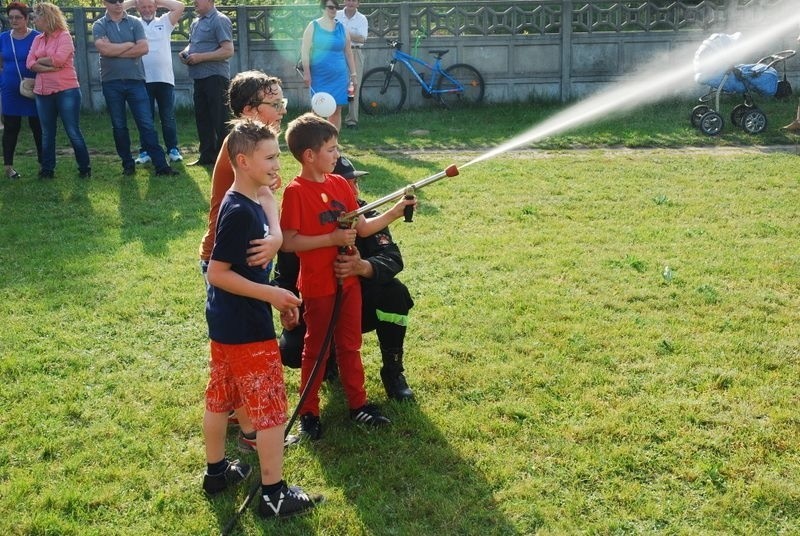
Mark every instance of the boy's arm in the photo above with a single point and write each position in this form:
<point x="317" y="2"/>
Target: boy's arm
<point x="221" y="276"/>
<point x="294" y="241"/>
<point x="367" y="227"/>
<point x="263" y="250"/>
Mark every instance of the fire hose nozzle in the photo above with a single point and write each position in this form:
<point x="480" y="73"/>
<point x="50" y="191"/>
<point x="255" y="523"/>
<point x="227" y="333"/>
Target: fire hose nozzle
<point x="450" y="171"/>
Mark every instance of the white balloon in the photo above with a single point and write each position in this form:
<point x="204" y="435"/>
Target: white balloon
<point x="323" y="104"/>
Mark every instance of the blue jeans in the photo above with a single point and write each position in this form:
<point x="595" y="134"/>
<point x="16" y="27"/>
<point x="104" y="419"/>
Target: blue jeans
<point x="66" y="104"/>
<point x="134" y="93"/>
<point x="163" y="94"/>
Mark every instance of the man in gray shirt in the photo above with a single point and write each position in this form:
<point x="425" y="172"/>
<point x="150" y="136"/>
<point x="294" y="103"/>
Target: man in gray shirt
<point x="121" y="41"/>
<point x="207" y="57"/>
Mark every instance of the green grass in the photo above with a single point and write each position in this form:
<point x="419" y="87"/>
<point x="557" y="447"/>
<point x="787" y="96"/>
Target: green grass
<point x="566" y="384"/>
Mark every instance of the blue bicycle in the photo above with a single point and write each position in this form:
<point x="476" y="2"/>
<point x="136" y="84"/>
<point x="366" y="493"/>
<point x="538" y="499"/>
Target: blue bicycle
<point x="383" y="91"/>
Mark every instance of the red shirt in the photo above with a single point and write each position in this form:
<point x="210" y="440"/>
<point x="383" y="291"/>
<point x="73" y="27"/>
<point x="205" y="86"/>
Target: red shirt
<point x="312" y="208"/>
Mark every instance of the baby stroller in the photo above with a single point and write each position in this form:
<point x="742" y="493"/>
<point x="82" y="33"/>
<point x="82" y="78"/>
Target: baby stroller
<point x="742" y="79"/>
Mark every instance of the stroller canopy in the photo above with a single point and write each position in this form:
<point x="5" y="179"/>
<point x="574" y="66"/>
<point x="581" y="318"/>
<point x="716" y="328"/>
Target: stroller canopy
<point x="741" y="78"/>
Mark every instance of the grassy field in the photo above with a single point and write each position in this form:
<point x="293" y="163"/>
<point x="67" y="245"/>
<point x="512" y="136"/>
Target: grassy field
<point x="604" y="341"/>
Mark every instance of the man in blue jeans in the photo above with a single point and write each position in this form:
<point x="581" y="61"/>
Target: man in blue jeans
<point x="158" y="72"/>
<point x="121" y="41"/>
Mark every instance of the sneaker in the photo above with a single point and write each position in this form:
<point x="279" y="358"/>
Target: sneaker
<point x="287" y="502"/>
<point x="175" y="155"/>
<point x="370" y="415"/>
<point x="246" y="444"/>
<point x="128" y="171"/>
<point x="235" y="473"/>
<point x="143" y="158"/>
<point x="310" y="426"/>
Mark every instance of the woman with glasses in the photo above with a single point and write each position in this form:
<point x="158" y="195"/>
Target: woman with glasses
<point x="57" y="90"/>
<point x="14" y="47"/>
<point x="328" y="64"/>
<point x="255" y="95"/>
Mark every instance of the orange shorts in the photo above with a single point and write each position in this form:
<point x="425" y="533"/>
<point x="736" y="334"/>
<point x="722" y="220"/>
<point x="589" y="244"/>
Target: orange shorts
<point x="249" y="375"/>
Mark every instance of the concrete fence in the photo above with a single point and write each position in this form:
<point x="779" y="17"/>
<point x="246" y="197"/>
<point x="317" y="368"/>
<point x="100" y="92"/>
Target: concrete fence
<point x="555" y="49"/>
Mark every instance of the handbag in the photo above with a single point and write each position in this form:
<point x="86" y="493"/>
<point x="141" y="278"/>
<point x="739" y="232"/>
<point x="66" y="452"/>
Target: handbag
<point x="25" y="84"/>
<point x="26" y="87"/>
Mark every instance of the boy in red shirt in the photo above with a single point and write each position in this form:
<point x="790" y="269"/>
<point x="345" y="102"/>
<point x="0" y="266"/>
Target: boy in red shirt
<point x="312" y="203"/>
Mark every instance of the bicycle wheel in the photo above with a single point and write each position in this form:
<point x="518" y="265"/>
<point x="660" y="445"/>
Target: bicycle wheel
<point x="382" y="92"/>
<point x="468" y="78"/>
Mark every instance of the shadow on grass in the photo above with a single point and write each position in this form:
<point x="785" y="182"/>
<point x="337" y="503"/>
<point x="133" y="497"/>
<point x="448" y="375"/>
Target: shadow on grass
<point x="158" y="210"/>
<point x="405" y="479"/>
<point x="47" y="226"/>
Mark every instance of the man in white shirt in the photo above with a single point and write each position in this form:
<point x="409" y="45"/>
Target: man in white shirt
<point x="158" y="72"/>
<point x="355" y="23"/>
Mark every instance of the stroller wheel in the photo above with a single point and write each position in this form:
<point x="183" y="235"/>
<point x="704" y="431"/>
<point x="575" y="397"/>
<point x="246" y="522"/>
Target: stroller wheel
<point x="754" y="121"/>
<point x="697" y="113"/>
<point x="738" y="113"/>
<point x="711" y="124"/>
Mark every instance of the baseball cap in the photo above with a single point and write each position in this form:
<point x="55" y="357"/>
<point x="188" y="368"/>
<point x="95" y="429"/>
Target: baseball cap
<point x="346" y="169"/>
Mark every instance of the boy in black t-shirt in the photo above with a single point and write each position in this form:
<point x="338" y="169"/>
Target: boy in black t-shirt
<point x="245" y="361"/>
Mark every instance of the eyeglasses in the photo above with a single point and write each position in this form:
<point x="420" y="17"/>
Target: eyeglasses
<point x="279" y="106"/>
<point x="114" y="1"/>
<point x="16" y="17"/>
<point x="328" y="6"/>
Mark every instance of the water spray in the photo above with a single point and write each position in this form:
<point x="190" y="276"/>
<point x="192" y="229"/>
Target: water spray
<point x="653" y="84"/>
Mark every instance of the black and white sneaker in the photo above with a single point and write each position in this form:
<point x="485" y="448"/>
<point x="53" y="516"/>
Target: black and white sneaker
<point x="370" y="415"/>
<point x="310" y="426"/>
<point x="287" y="502"/>
<point x="233" y="475"/>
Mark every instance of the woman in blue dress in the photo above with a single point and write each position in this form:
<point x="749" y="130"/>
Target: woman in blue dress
<point x="328" y="65"/>
<point x="14" y="47"/>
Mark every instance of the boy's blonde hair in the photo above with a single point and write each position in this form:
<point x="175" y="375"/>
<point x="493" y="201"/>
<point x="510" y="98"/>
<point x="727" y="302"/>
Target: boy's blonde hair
<point x="245" y="135"/>
<point x="309" y="131"/>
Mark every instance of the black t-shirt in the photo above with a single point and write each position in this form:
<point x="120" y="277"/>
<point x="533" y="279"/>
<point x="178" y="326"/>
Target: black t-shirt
<point x="234" y="319"/>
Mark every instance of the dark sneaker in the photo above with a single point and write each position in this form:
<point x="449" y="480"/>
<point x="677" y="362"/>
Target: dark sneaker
<point x="233" y="475"/>
<point x="287" y="502"/>
<point x="128" y="171"/>
<point x="246" y="444"/>
<point x="310" y="426"/>
<point x="369" y="415"/>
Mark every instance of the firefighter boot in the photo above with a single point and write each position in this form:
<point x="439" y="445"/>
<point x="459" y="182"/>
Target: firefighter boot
<point x="392" y="375"/>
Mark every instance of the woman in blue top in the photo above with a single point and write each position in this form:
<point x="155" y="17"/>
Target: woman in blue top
<point x="14" y="47"/>
<point x="328" y="65"/>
